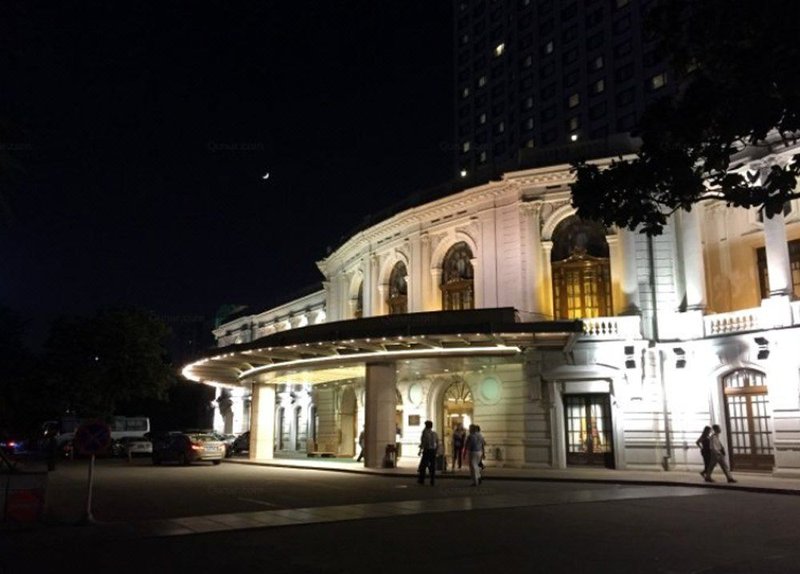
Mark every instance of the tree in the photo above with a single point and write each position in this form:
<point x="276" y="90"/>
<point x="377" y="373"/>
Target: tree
<point x="115" y="356"/>
<point x="736" y="65"/>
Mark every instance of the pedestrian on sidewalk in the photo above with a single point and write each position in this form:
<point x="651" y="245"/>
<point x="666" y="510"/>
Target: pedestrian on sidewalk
<point x="459" y="434"/>
<point x="475" y="451"/>
<point x="428" y="445"/>
<point x="717" y="456"/>
<point x="361" y="442"/>
<point x="704" y="442"/>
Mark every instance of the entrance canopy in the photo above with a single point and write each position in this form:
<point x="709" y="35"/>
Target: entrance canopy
<point x="344" y="344"/>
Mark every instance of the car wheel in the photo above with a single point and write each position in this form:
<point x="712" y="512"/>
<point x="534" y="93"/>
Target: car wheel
<point x="216" y="462"/>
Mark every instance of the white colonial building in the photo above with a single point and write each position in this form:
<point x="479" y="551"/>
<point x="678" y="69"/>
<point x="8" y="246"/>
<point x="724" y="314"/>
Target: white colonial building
<point x="569" y="344"/>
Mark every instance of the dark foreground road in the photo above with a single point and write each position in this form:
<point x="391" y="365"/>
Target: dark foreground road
<point x="548" y="528"/>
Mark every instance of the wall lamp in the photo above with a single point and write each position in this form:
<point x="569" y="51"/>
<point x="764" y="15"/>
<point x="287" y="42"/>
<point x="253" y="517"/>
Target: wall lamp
<point x="680" y="363"/>
<point x="630" y="362"/>
<point x="763" y="350"/>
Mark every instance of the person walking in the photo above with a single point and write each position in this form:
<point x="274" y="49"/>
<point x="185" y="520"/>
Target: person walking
<point x="704" y="442"/>
<point x="361" y="442"/>
<point x="459" y="434"/>
<point x="475" y="451"/>
<point x="428" y="445"/>
<point x="717" y="456"/>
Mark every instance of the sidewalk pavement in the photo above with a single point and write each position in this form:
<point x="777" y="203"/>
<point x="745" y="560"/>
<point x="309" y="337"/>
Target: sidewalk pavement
<point x="750" y="482"/>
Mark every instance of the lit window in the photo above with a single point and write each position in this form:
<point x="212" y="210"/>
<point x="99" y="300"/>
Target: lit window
<point x="501" y="127"/>
<point x="548" y="48"/>
<point x="528" y="61"/>
<point x="482" y="119"/>
<point x="528" y="103"/>
<point x="499" y="49"/>
<point x="529" y="123"/>
<point x="465" y="38"/>
<point x="482" y="157"/>
<point x="465" y="93"/>
<point x="658" y="81"/>
<point x="622" y="3"/>
<point x="574" y="100"/>
<point x="574" y="123"/>
<point x="482" y="81"/>
<point x="599" y="86"/>
<point x="465" y="147"/>
<point x="597" y="63"/>
<point x="529" y="143"/>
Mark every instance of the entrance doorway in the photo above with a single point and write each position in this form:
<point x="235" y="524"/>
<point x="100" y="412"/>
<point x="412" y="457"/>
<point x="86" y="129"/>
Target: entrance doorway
<point x="749" y="420"/>
<point x="588" y="425"/>
<point x="458" y="408"/>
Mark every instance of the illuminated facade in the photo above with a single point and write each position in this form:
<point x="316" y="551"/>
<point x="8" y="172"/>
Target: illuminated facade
<point x="570" y="344"/>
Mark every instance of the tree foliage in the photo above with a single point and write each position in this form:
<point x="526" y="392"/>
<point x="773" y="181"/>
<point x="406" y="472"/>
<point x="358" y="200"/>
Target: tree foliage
<point x="115" y="356"/>
<point x="736" y="66"/>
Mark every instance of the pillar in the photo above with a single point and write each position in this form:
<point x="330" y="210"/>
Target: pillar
<point x="262" y="422"/>
<point x="435" y="292"/>
<point x="477" y="284"/>
<point x="426" y="276"/>
<point x="532" y="252"/>
<point x="381" y="402"/>
<point x="547" y="280"/>
<point x="629" y="276"/>
<point x="778" y="265"/>
<point x="692" y="251"/>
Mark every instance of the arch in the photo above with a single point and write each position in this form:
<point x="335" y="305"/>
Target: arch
<point x="557" y="216"/>
<point x="393" y="258"/>
<point x="397" y="291"/>
<point x="458" y="278"/>
<point x="580" y="270"/>
<point x="437" y="256"/>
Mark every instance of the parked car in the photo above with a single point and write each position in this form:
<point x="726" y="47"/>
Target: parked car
<point x="241" y="443"/>
<point x="185" y="448"/>
<point x="225" y="438"/>
<point x="131" y="446"/>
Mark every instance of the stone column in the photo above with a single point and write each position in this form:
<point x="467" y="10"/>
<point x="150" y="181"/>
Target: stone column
<point x="692" y="251"/>
<point x="477" y="284"/>
<point x="425" y="275"/>
<point x="532" y="253"/>
<point x="435" y="292"/>
<point x="381" y="308"/>
<point x="778" y="265"/>
<point x="415" y="274"/>
<point x="629" y="276"/>
<point x="547" y="280"/>
<point x="381" y="402"/>
<point x="615" y="264"/>
<point x="262" y="422"/>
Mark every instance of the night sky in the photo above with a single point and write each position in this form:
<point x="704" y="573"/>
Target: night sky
<point x="135" y="136"/>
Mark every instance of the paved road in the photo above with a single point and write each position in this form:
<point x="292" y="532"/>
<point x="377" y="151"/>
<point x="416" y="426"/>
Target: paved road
<point x="499" y="527"/>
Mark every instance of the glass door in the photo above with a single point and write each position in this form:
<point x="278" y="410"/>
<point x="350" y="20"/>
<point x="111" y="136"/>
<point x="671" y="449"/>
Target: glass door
<point x="588" y="425"/>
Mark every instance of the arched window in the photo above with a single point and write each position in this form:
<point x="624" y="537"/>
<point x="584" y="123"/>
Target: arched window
<point x="457" y="278"/>
<point x="358" y="312"/>
<point x="581" y="270"/>
<point x="398" y="289"/>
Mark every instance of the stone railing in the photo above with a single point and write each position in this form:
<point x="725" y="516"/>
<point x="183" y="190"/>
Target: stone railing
<point x="734" y="322"/>
<point x="612" y="328"/>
